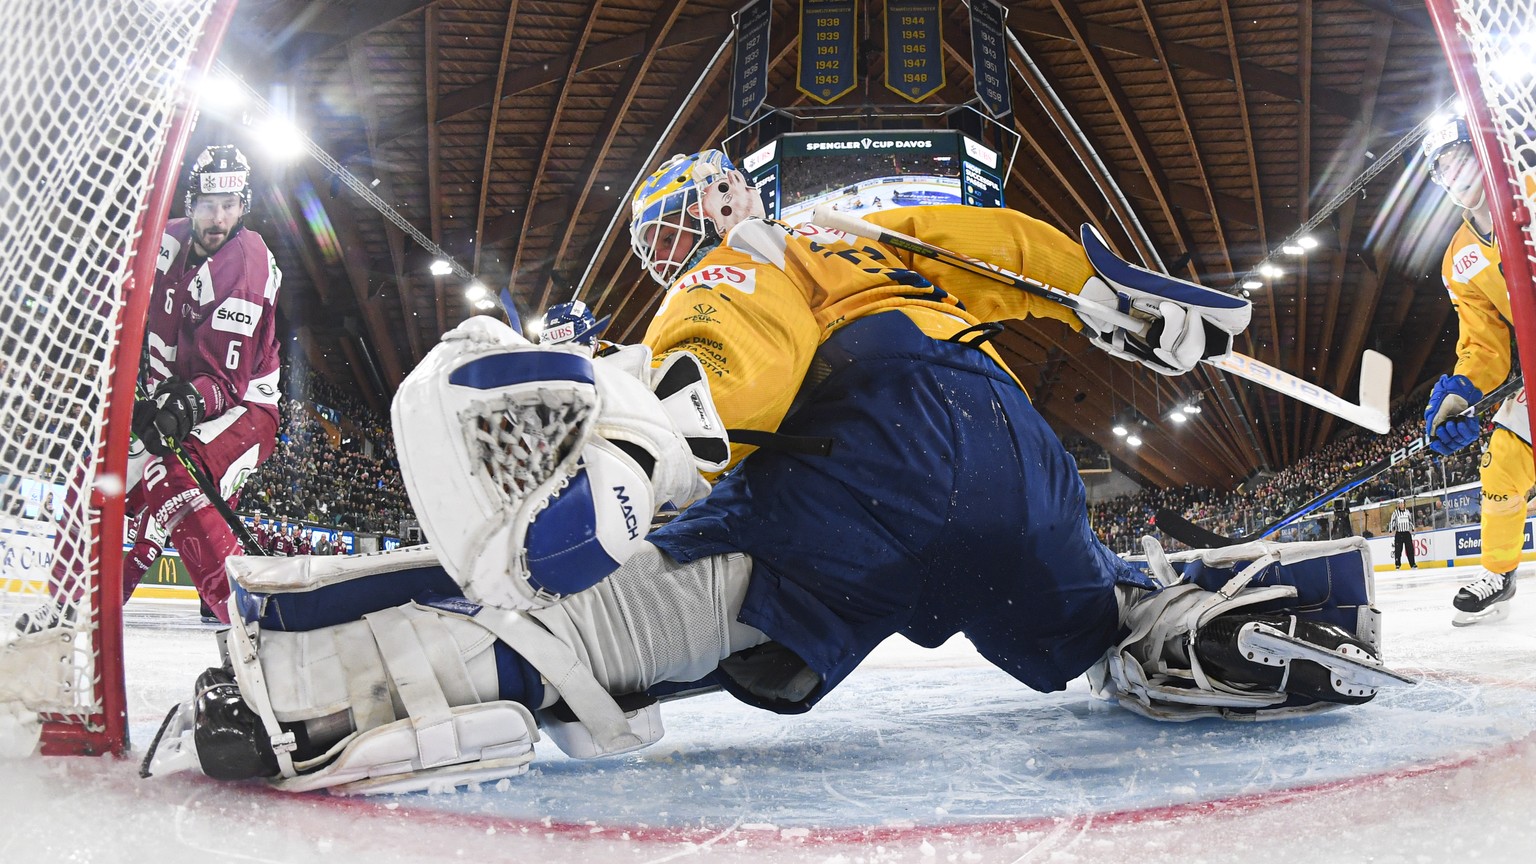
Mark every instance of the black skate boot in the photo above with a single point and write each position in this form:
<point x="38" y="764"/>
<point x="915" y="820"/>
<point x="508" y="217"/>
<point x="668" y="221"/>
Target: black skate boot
<point x="232" y="744"/>
<point x="44" y="617"/>
<point x="1281" y="652"/>
<point x="1485" y="599"/>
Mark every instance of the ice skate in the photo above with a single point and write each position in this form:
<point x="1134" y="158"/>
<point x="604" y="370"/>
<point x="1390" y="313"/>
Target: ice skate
<point x="1293" y="655"/>
<point x="44" y="617"/>
<point x="1484" y="599"/>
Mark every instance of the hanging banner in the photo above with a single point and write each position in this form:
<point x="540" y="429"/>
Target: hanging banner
<point x="914" y="48"/>
<point x="749" y="72"/>
<point x="989" y="54"/>
<point x="828" y="55"/>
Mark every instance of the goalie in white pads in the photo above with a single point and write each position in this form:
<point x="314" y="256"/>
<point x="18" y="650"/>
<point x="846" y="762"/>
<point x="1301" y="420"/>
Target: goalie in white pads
<point x="946" y="506"/>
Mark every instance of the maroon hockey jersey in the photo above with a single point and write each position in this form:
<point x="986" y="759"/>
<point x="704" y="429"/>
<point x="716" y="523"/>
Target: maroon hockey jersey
<point x="213" y="322"/>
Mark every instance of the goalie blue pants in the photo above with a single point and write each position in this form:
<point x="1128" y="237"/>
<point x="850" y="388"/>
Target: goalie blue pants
<point x="947" y="506"/>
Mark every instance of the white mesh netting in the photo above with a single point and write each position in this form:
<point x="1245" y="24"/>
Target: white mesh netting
<point x="87" y="92"/>
<point x="1501" y="36"/>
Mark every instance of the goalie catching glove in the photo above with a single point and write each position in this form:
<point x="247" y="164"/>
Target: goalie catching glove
<point x="535" y="469"/>
<point x="1187" y="322"/>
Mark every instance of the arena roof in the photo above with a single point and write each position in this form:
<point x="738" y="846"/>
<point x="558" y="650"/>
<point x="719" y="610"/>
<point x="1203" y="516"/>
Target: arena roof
<point x="1196" y="133"/>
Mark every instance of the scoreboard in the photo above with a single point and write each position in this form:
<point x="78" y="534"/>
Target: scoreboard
<point x="861" y="172"/>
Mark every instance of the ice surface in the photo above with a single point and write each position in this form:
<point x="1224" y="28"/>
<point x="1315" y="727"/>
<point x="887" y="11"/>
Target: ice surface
<point x="920" y="756"/>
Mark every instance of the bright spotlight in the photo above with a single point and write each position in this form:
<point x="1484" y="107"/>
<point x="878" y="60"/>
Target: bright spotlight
<point x="1177" y="416"/>
<point x="282" y="140"/>
<point x="1133" y="440"/>
<point x="476" y="291"/>
<point x="1270" y="271"/>
<point x="1292" y="249"/>
<point x="1308" y="242"/>
<point x="441" y="267"/>
<point x="1120" y="430"/>
<point x="1252" y="284"/>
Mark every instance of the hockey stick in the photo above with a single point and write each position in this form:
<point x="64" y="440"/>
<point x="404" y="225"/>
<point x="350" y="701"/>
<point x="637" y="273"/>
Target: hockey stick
<point x="1375" y="369"/>
<point x="211" y="491"/>
<point x="1176" y="526"/>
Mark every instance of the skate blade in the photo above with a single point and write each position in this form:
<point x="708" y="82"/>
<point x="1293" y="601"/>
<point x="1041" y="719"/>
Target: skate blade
<point x="1359" y="671"/>
<point x="1497" y="612"/>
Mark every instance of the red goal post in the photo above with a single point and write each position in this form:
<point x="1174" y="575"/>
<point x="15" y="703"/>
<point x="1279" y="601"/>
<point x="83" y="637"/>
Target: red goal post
<point x="96" y="104"/>
<point x="1491" y="47"/>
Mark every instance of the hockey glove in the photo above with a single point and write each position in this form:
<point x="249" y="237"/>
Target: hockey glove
<point x="166" y="419"/>
<point x="1443" y="419"/>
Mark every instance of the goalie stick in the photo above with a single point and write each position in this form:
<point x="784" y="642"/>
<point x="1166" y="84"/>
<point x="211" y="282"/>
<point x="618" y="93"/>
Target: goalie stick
<point x="1375" y="368"/>
<point x="1176" y="526"/>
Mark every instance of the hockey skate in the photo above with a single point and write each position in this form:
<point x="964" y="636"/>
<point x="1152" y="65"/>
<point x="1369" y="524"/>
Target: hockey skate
<point x="44" y="617"/>
<point x="1293" y="655"/>
<point x="1485" y="599"/>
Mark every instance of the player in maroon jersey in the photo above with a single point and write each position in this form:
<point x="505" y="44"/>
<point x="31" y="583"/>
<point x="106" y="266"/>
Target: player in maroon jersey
<point x="208" y="386"/>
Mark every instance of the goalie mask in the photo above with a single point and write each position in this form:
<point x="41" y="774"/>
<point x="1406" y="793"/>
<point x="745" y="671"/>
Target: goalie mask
<point x="683" y="209"/>
<point x="219" y="169"/>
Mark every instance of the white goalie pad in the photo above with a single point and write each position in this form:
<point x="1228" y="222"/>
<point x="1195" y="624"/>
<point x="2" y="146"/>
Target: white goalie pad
<point x="1155" y="671"/>
<point x="35" y="676"/>
<point x="535" y="470"/>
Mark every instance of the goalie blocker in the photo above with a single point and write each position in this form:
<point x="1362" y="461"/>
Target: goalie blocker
<point x="374" y="674"/>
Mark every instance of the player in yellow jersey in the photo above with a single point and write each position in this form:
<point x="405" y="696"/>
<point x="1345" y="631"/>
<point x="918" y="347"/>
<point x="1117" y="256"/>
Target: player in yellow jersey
<point x="1475" y="281"/>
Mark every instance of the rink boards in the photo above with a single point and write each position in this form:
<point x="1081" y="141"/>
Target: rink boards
<point x="1446" y="547"/>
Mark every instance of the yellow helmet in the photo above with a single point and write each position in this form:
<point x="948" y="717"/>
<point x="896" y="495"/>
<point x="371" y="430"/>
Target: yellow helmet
<point x="669" y="199"/>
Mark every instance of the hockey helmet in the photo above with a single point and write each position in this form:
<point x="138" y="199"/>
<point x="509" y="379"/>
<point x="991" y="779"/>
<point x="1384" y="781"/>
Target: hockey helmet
<point x="699" y="195"/>
<point x="571" y="322"/>
<point x="219" y="169"/>
<point x="1442" y="136"/>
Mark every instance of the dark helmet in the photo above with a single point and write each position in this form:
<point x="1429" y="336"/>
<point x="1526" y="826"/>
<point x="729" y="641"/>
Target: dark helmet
<point x="218" y="169"/>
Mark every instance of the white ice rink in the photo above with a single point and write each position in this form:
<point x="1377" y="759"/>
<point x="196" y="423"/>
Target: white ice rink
<point x="921" y="756"/>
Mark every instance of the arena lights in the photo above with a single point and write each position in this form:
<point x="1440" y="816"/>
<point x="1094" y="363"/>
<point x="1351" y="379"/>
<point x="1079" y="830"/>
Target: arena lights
<point x="282" y="140"/>
<point x="441" y="267"/>
<point x="477" y="293"/>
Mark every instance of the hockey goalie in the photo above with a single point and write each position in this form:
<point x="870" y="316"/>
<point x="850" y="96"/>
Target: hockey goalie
<point x="546" y="604"/>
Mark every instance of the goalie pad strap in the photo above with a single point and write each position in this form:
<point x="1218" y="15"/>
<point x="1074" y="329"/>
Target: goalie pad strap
<point x="555" y="660"/>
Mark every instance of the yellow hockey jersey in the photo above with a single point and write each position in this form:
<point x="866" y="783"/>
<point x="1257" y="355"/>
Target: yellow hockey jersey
<point x="755" y="309"/>
<point x="1475" y="281"/>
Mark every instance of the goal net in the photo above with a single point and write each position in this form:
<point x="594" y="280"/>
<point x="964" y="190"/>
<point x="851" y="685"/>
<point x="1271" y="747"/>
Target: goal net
<point x="1491" y="46"/>
<point x="93" y="121"/>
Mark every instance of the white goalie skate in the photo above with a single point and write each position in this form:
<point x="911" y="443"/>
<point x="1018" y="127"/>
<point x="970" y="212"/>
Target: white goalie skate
<point x="1485" y="599"/>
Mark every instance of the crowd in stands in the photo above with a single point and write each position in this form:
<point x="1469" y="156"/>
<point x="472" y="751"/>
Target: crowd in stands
<point x="334" y="465"/>
<point x="1121" y="521"/>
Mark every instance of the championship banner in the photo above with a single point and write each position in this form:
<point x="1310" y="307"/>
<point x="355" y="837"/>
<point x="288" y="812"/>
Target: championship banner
<point x="828" y="55"/>
<point x="914" y="48"/>
<point x="749" y="71"/>
<point x="989" y="54"/>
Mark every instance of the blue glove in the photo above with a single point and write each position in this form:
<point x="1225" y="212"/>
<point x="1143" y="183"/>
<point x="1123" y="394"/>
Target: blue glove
<point x="1443" y="420"/>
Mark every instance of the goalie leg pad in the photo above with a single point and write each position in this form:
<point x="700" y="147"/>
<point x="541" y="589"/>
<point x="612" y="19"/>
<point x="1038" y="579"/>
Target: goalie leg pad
<point x="1246" y="607"/>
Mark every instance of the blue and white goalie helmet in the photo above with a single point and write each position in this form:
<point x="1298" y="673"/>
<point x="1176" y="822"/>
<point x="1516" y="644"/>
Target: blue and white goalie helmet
<point x="683" y="209"/>
<point x="571" y="322"/>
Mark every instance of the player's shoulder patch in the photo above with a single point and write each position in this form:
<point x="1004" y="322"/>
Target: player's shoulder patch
<point x="170" y="247"/>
